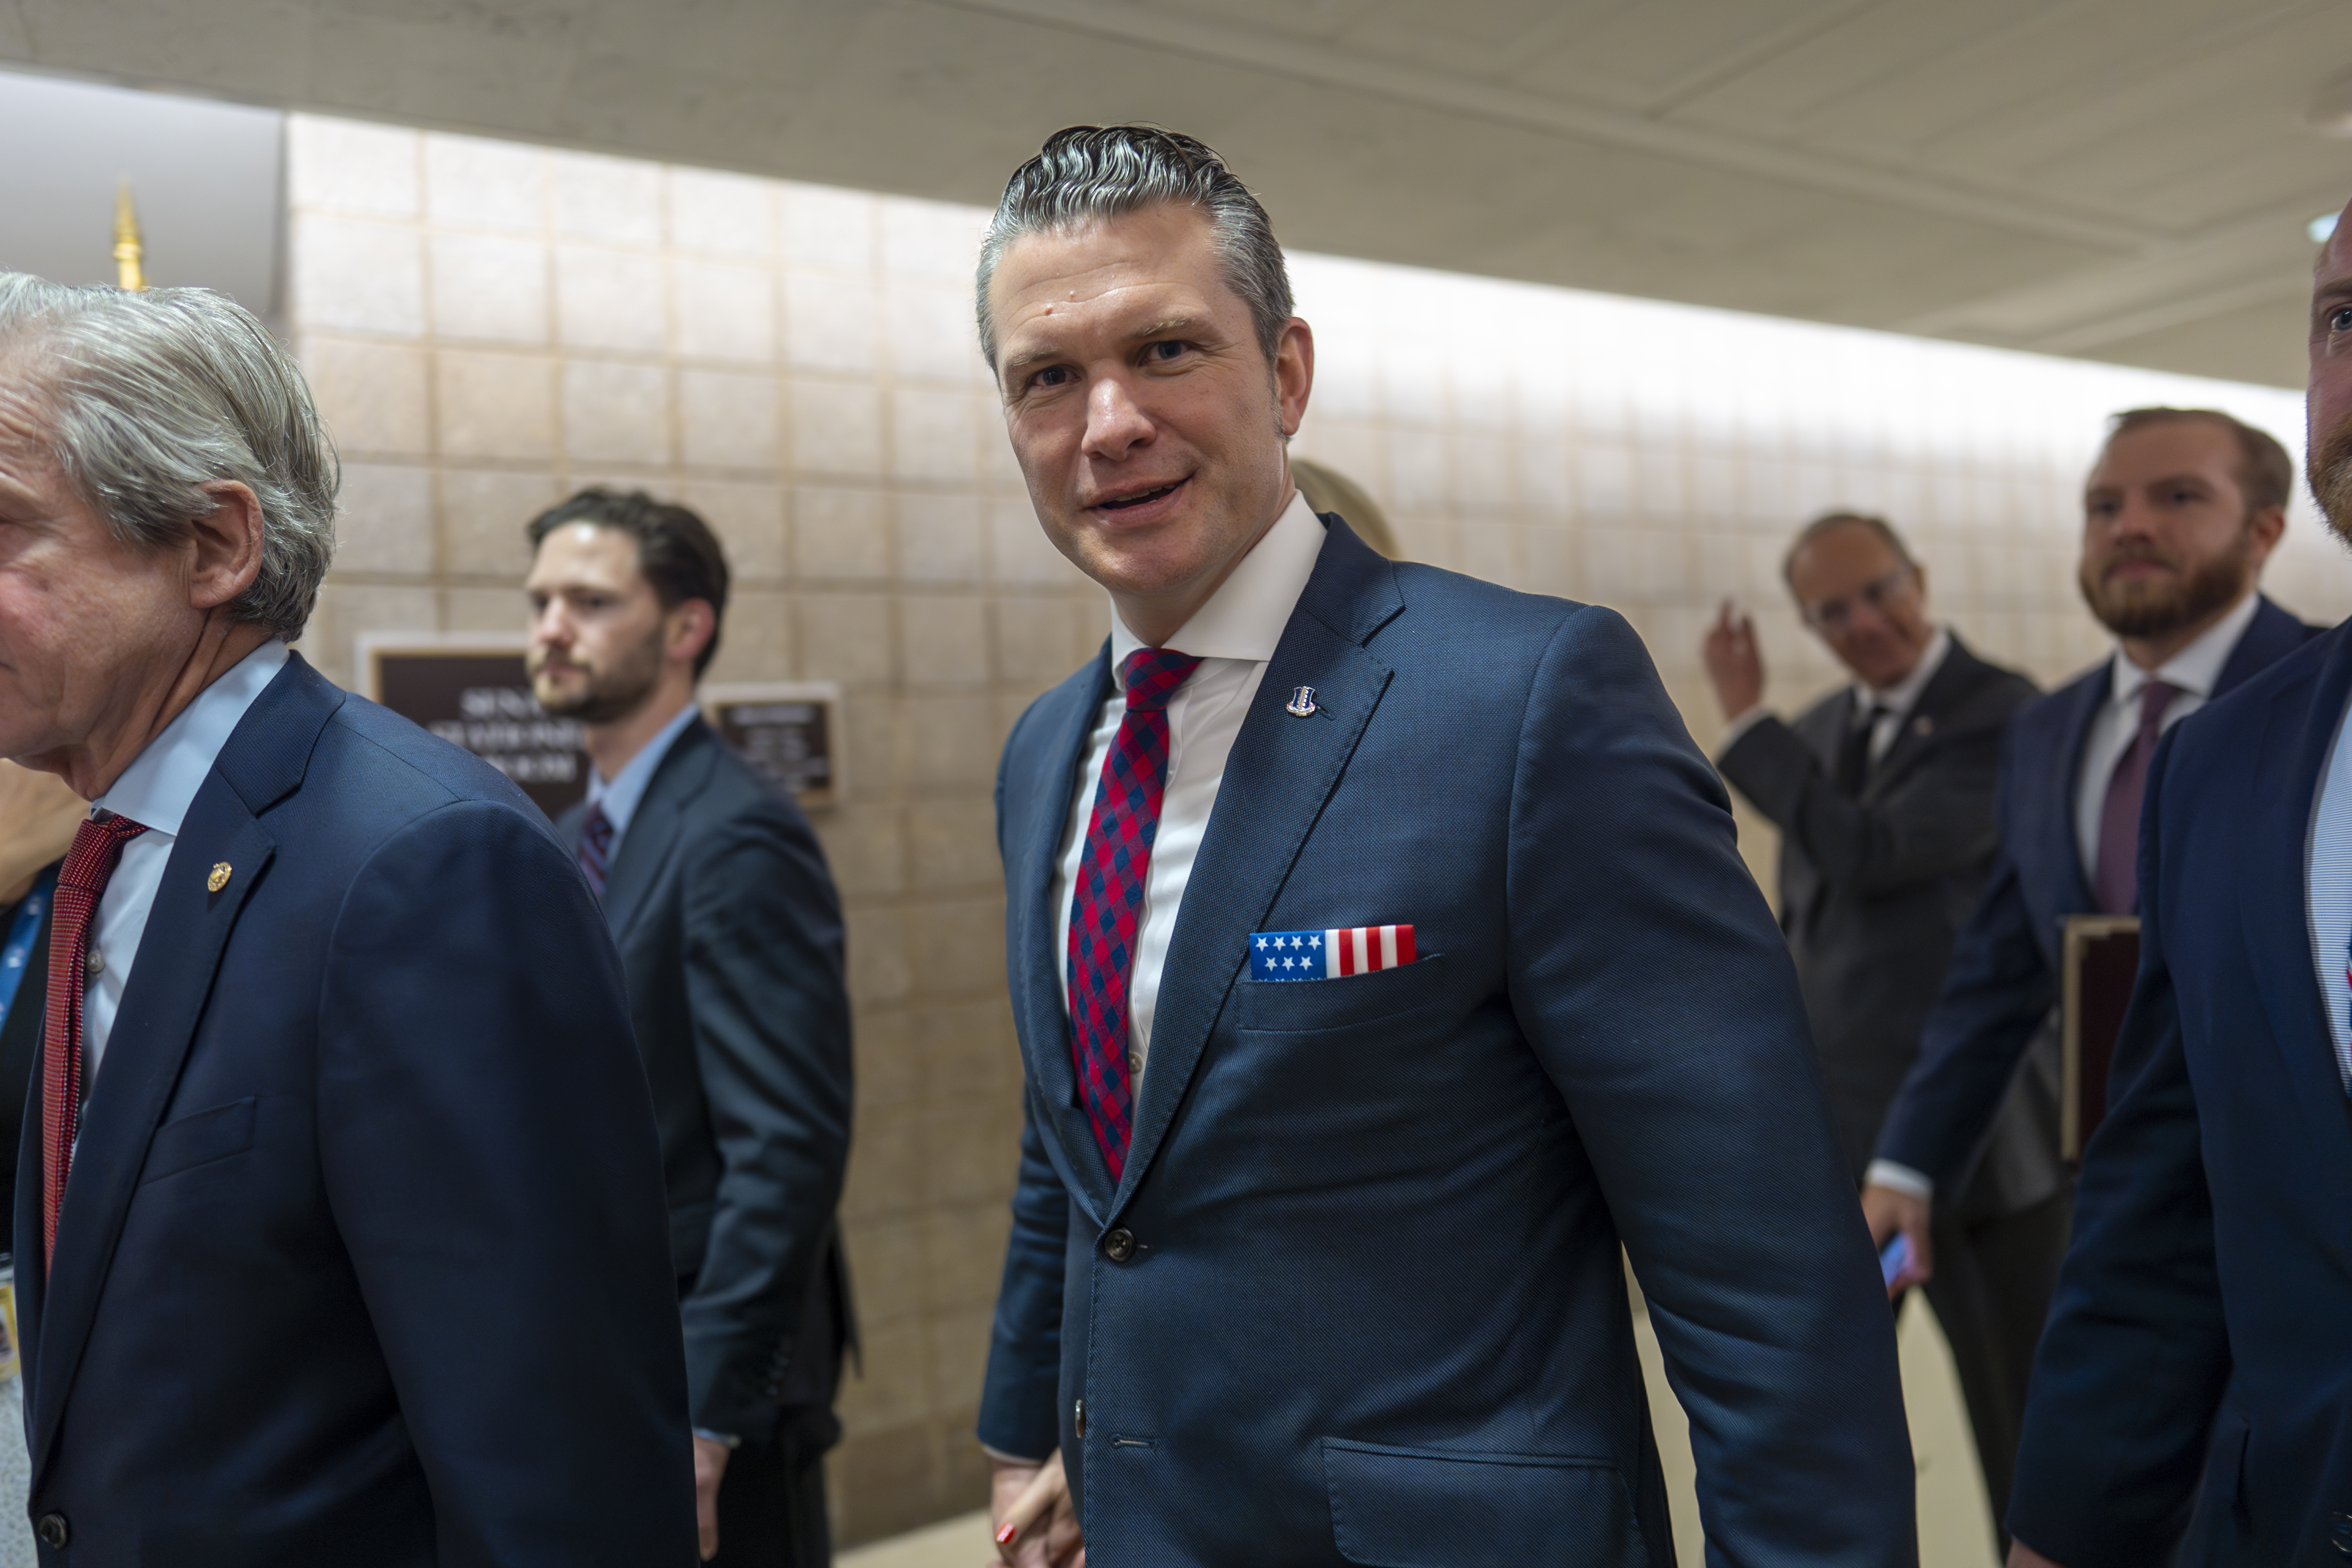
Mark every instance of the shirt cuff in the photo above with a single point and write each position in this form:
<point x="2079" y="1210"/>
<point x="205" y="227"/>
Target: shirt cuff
<point x="1002" y="1458"/>
<point x="1901" y="1179"/>
<point x="725" y="1439"/>
<point x="1739" y="727"/>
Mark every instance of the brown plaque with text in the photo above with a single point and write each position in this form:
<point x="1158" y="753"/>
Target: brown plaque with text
<point x="2102" y="957"/>
<point x="790" y="731"/>
<point x="476" y="694"/>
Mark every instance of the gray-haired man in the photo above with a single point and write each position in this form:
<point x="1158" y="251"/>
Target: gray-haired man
<point x="1382" y="960"/>
<point x="339" y="1222"/>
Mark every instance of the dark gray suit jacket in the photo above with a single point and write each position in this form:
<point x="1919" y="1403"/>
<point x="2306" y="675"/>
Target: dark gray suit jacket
<point x="1874" y="887"/>
<point x="730" y="940"/>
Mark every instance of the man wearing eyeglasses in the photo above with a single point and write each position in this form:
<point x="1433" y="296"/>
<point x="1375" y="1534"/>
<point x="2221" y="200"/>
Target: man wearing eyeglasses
<point x="1883" y="793"/>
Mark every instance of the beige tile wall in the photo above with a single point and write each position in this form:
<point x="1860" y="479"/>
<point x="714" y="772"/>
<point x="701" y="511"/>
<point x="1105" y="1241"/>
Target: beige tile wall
<point x="490" y="325"/>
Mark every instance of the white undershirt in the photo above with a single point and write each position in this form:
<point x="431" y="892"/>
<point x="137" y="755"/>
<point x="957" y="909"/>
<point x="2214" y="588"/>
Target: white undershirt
<point x="157" y="789"/>
<point x="1234" y="635"/>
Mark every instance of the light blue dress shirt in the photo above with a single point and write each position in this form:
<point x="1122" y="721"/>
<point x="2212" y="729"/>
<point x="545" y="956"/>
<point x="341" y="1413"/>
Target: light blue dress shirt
<point x="621" y="797"/>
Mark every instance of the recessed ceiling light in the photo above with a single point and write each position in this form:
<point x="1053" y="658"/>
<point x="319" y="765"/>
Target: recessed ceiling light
<point x="2330" y="113"/>
<point x="2321" y="228"/>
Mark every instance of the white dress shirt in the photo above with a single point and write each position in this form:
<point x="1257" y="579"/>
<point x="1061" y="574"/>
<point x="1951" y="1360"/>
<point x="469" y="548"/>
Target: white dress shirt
<point x="2327" y="885"/>
<point x="157" y="789"/>
<point x="2194" y="671"/>
<point x="622" y="797"/>
<point x="1895" y="704"/>
<point x="1233" y="635"/>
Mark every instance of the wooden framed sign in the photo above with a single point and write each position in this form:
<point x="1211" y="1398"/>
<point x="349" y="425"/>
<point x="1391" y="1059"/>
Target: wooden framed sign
<point x="2101" y="958"/>
<point x="789" y="731"/>
<point x="471" y="688"/>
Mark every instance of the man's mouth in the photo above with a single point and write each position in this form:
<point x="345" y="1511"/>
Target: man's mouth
<point x="1141" y="498"/>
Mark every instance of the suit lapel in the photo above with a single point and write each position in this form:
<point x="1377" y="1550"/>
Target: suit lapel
<point x="1945" y="691"/>
<point x="170" y="978"/>
<point x="1280" y="774"/>
<point x="1035" y="855"/>
<point x="2274" y="882"/>
<point x="655" y="827"/>
<point x="2060" y="846"/>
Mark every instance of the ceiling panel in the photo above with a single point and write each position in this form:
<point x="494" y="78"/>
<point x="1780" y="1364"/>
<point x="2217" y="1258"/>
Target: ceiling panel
<point x="2111" y="178"/>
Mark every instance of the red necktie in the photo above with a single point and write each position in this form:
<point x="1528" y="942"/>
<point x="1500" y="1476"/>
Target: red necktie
<point x="2116" y="881"/>
<point x="89" y="864"/>
<point x="1106" y="905"/>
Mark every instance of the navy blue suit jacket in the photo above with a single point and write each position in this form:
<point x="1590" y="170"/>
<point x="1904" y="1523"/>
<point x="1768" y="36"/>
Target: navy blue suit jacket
<point x="2004" y="977"/>
<point x="363" y="1260"/>
<point x="2214" y="1214"/>
<point x="1374" y="1310"/>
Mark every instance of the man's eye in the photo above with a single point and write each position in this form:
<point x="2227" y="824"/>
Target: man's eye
<point x="1172" y="349"/>
<point x="1052" y="375"/>
<point x="2341" y="322"/>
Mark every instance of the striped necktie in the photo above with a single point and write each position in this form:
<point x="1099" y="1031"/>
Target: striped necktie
<point x="596" y="849"/>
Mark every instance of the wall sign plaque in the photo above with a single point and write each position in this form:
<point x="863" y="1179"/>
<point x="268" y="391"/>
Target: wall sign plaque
<point x="789" y="731"/>
<point x="470" y="690"/>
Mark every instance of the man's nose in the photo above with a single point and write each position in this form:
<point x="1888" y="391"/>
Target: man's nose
<point x="1115" y="426"/>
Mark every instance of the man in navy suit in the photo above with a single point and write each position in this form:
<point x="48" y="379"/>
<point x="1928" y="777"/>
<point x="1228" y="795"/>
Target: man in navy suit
<point x="1381" y="961"/>
<point x="2181" y="511"/>
<point x="339" y="1223"/>
<point x="2197" y="1349"/>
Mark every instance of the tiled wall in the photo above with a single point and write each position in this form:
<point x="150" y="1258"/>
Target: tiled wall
<point x="489" y="326"/>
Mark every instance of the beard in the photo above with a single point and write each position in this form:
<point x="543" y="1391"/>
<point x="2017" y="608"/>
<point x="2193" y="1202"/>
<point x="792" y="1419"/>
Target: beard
<point x="2139" y="607"/>
<point x="613" y="692"/>
<point x="2329" y="469"/>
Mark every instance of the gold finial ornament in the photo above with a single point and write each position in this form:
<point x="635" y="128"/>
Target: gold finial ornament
<point x="128" y="250"/>
<point x="219" y="878"/>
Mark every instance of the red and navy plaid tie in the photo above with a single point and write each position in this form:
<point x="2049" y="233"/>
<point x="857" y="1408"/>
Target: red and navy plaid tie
<point x="596" y="849"/>
<point x="82" y="882"/>
<point x="1106" y="905"/>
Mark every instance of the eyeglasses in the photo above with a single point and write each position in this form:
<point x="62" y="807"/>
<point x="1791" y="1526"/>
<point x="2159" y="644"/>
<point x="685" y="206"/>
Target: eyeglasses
<point x="1832" y="618"/>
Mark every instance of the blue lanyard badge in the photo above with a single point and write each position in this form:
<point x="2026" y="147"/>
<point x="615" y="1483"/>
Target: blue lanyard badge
<point x="22" y="933"/>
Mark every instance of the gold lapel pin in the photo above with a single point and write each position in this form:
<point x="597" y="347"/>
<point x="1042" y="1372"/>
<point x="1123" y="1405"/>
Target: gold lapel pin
<point x="1301" y="703"/>
<point x="219" y="878"/>
<point x="1923" y="725"/>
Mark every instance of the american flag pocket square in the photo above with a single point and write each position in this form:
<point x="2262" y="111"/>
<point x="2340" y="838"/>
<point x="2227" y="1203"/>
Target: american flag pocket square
<point x="1327" y="954"/>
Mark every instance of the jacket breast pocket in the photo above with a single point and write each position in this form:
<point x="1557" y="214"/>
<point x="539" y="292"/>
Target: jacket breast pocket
<point x="198" y="1139"/>
<point x="1295" y="1007"/>
<point x="1426" y="1507"/>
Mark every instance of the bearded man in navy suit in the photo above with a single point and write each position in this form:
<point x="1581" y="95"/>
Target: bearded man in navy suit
<point x="1382" y="962"/>
<point x="2193" y="1397"/>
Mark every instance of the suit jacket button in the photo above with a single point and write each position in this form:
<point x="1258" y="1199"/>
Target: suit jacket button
<point x="52" y="1531"/>
<point x="1120" y="1245"/>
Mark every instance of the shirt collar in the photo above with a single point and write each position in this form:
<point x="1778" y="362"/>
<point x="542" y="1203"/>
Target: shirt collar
<point x="2195" y="668"/>
<point x="1244" y="618"/>
<point x="621" y="798"/>
<point x="1898" y="698"/>
<point x="161" y="780"/>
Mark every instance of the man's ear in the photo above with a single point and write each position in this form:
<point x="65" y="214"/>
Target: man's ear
<point x="225" y="546"/>
<point x="2266" y="526"/>
<point x="690" y="627"/>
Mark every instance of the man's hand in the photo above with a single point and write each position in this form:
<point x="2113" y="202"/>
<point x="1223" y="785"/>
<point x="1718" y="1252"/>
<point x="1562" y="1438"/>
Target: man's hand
<point x="709" y="1464"/>
<point x="2020" y="1555"/>
<point x="1030" y="1507"/>
<point x="1733" y="665"/>
<point x="1887" y="1211"/>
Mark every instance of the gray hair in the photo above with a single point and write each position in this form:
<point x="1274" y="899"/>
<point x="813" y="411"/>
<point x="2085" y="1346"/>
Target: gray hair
<point x="1088" y="173"/>
<point x="150" y="396"/>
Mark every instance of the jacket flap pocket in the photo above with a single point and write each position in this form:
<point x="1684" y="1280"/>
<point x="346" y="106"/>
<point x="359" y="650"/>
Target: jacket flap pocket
<point x="1429" y="1507"/>
<point x="198" y="1139"/>
<point x="1291" y="1006"/>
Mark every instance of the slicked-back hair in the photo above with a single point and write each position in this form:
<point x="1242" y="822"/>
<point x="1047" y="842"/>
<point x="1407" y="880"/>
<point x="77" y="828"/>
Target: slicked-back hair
<point x="1829" y="520"/>
<point x="677" y="551"/>
<point x="1090" y="174"/>
<point x="148" y="398"/>
<point x="2265" y="473"/>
